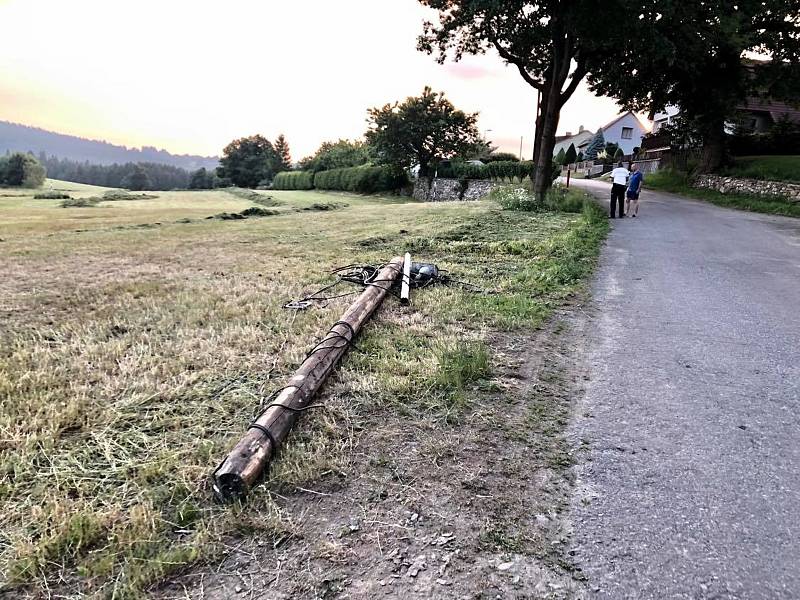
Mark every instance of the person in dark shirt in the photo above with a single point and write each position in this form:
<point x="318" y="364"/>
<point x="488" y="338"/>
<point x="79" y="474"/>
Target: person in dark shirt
<point x="634" y="188"/>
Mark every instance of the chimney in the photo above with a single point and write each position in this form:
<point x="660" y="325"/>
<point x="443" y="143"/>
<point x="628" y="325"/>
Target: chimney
<point x="569" y="134"/>
<point x="580" y="129"/>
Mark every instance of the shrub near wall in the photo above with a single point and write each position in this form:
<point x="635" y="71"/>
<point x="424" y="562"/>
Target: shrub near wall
<point x="294" y="180"/>
<point x="365" y="179"/>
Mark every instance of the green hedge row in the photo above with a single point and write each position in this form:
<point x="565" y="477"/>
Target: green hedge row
<point x="294" y="180"/>
<point x="360" y="179"/>
<point x="504" y="170"/>
<point x="510" y="170"/>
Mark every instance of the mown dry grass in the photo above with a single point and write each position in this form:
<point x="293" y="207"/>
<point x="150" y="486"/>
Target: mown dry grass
<point x="137" y="345"/>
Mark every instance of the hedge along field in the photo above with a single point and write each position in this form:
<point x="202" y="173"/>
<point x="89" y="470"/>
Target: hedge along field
<point x="501" y="171"/>
<point x="365" y="179"/>
<point x="294" y="180"/>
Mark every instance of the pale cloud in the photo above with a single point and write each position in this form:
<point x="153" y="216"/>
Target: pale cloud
<point x="190" y="75"/>
<point x="463" y="70"/>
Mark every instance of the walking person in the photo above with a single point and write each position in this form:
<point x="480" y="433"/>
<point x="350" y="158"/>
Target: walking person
<point x="634" y="188"/>
<point x="620" y="182"/>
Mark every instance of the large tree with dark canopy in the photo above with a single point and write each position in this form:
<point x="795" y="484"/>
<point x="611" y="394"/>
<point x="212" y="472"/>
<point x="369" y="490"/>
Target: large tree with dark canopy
<point x="421" y="130"/>
<point x="337" y="155"/>
<point x="249" y="161"/>
<point x="20" y="169"/>
<point x="549" y="43"/>
<point x="695" y="58"/>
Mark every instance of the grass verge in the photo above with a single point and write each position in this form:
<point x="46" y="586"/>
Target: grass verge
<point x="768" y="168"/>
<point x="678" y="183"/>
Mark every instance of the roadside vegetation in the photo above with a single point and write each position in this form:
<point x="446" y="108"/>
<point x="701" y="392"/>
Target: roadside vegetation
<point x="678" y="182"/>
<point x="154" y="333"/>
<point x="768" y="168"/>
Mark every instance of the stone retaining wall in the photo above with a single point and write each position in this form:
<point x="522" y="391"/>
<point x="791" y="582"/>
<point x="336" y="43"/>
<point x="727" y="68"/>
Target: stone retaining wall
<point x="755" y="187"/>
<point x="443" y="190"/>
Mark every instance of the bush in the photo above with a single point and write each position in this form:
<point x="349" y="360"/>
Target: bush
<point x="558" y="199"/>
<point x="294" y="180"/>
<point x="365" y="179"/>
<point x="561" y="199"/>
<point x="514" y="198"/>
<point x="500" y="156"/>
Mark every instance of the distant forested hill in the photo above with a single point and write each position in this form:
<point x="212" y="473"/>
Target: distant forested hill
<point x="21" y="138"/>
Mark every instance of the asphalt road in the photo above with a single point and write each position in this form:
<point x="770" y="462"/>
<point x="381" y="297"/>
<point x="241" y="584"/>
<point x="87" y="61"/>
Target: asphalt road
<point x="689" y="475"/>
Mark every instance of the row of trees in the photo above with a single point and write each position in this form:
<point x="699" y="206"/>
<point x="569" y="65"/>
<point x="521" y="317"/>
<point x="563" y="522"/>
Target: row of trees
<point x="21" y="170"/>
<point x="687" y="54"/>
<point x="420" y="131"/>
<point x="132" y="176"/>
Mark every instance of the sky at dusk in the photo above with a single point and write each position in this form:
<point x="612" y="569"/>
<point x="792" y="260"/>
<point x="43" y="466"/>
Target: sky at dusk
<point x="190" y="76"/>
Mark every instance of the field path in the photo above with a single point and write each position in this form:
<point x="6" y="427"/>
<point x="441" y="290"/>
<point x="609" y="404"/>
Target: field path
<point x="689" y="474"/>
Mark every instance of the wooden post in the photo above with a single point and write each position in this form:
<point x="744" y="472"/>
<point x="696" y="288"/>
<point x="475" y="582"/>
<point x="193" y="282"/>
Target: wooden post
<point x="567" y="177"/>
<point x="242" y="468"/>
<point x="405" y="289"/>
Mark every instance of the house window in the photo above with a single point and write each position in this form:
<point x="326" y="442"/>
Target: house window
<point x="627" y="133"/>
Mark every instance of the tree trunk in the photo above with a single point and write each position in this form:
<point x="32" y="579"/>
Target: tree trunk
<point x="713" y="148"/>
<point x="547" y="140"/>
<point x="537" y="136"/>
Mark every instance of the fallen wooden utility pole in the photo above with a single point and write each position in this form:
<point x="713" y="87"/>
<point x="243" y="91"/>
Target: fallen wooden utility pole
<point x="242" y="468"/>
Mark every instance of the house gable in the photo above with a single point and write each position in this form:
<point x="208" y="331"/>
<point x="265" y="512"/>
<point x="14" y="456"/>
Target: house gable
<point x="626" y="131"/>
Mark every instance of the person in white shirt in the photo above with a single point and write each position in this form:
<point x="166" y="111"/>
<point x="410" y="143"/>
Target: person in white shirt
<point x="620" y="178"/>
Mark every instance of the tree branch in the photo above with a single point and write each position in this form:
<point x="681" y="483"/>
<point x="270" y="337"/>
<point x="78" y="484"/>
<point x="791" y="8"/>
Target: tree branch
<point x="517" y="62"/>
<point x="577" y="76"/>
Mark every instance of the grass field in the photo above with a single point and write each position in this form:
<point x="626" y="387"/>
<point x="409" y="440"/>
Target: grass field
<point x="139" y="337"/>
<point x="678" y="183"/>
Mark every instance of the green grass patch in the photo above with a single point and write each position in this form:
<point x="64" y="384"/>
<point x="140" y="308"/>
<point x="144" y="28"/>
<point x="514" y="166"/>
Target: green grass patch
<point x="768" y="168"/>
<point x="677" y="182"/>
<point x="461" y="364"/>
